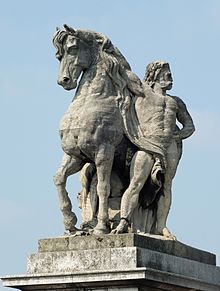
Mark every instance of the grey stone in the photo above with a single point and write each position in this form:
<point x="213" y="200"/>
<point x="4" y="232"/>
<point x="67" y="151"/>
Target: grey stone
<point x="72" y="261"/>
<point x="120" y="259"/>
<point x="123" y="261"/>
<point x="175" y="248"/>
<point x="126" y="129"/>
<point x="92" y="128"/>
<point x="139" y="278"/>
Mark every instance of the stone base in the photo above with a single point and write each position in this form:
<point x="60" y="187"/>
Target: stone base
<point x="117" y="262"/>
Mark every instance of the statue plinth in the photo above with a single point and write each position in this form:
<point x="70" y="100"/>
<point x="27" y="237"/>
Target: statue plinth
<point x="117" y="262"/>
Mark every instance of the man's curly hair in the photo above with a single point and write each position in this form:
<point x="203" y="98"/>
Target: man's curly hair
<point x="152" y="71"/>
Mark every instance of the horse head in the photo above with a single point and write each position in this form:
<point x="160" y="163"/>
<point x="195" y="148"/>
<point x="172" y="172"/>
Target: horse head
<point x="75" y="53"/>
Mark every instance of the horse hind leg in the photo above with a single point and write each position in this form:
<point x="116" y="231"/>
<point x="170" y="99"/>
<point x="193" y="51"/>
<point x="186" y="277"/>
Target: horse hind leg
<point x="69" y="165"/>
<point x="104" y="161"/>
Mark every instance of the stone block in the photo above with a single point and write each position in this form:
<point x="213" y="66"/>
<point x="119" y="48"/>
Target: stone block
<point x="81" y="260"/>
<point x="175" y="248"/>
<point x="117" y="263"/>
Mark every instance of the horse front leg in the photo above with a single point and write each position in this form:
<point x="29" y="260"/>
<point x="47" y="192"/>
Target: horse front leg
<point x="104" y="161"/>
<point x="69" y="165"/>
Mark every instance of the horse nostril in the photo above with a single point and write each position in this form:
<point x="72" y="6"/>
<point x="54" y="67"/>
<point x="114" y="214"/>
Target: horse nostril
<point x="66" y="80"/>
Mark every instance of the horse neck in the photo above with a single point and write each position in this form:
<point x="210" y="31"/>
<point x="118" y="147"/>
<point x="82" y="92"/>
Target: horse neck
<point x="95" y="82"/>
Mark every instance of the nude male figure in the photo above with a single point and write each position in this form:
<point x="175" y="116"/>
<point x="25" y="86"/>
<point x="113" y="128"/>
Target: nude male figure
<point x="165" y="110"/>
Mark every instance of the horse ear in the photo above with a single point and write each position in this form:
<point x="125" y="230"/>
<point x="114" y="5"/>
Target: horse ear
<point x="57" y="28"/>
<point x="69" y="29"/>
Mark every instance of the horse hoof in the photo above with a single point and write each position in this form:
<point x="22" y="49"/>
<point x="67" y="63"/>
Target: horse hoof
<point x="97" y="231"/>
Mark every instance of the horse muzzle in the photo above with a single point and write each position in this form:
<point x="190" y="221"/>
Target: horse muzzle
<point x="67" y="83"/>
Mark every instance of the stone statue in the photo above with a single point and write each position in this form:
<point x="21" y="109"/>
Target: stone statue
<point x="92" y="128"/>
<point x="120" y="133"/>
<point x="159" y="128"/>
<point x="148" y="213"/>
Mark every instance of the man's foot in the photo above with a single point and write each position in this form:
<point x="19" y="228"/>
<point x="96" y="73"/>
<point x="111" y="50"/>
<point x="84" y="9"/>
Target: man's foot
<point x="121" y="228"/>
<point x="167" y="233"/>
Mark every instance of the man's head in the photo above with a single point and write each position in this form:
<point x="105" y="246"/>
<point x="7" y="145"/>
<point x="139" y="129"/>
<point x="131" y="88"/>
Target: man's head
<point x="159" y="72"/>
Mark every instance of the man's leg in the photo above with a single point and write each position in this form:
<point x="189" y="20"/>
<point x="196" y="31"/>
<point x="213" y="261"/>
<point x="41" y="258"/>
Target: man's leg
<point x="164" y="203"/>
<point x="141" y="166"/>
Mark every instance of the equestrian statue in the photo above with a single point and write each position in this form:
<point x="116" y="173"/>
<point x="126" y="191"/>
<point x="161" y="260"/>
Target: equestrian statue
<point x="121" y="134"/>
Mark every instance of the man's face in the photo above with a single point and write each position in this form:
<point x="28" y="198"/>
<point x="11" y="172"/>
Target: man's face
<point x="165" y="78"/>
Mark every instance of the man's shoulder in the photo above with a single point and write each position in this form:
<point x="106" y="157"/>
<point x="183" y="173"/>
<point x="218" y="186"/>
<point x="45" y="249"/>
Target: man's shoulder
<point x="177" y="99"/>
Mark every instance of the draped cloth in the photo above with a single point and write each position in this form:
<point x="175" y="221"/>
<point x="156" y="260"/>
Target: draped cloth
<point x="143" y="126"/>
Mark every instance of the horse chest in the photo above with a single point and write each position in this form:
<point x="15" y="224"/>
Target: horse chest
<point x="85" y="129"/>
<point x="72" y="118"/>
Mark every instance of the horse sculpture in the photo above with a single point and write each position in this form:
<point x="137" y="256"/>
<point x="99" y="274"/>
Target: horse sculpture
<point x="112" y="113"/>
<point x="92" y="128"/>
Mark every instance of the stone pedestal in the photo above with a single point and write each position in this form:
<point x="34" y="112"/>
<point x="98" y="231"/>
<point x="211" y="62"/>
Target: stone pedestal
<point x="117" y="262"/>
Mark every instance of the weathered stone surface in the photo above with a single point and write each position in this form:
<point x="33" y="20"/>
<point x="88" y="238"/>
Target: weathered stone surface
<point x="72" y="261"/>
<point x="142" y="279"/>
<point x="71" y="243"/>
<point x="122" y="252"/>
<point x="122" y="135"/>
<point x="126" y="258"/>
<point x="117" y="261"/>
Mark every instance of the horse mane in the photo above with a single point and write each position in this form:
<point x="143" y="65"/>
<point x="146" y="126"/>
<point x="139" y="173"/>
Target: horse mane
<point x="118" y="67"/>
<point x="115" y="63"/>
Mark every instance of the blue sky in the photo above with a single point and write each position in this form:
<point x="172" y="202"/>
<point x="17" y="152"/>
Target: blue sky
<point x="185" y="33"/>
